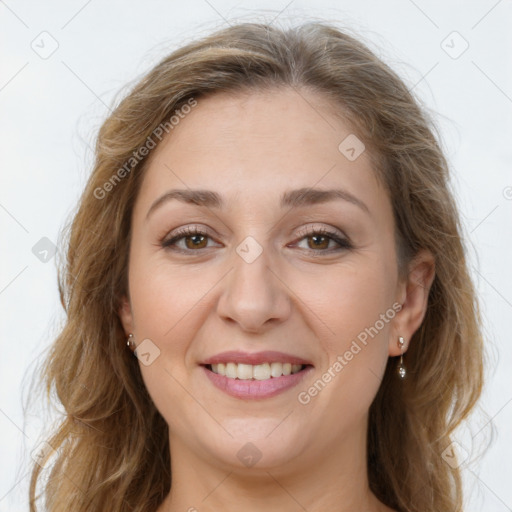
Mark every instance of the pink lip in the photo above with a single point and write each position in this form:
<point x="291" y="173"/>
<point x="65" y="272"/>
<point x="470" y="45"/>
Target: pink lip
<point x="254" y="389"/>
<point x="268" y="356"/>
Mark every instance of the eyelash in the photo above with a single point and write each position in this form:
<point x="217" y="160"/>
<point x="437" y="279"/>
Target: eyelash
<point x="344" y="243"/>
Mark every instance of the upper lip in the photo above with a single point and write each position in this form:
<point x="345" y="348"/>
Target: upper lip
<point x="267" y="356"/>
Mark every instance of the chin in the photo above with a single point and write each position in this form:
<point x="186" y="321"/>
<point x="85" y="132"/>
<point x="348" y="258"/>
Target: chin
<point x="257" y="444"/>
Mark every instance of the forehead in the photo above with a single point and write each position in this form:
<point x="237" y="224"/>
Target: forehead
<point x="257" y="145"/>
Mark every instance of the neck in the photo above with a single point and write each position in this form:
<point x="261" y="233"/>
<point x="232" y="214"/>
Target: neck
<point x="330" y="479"/>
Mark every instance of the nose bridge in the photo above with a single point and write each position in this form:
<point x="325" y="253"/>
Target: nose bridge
<point x="253" y="295"/>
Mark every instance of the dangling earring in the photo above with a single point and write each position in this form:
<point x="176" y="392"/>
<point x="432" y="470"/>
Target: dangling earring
<point x="401" y="368"/>
<point x="130" y="343"/>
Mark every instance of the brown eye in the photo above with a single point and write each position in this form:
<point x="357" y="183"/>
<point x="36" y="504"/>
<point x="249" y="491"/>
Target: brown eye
<point x="193" y="238"/>
<point x="318" y="240"/>
<point x="197" y="241"/>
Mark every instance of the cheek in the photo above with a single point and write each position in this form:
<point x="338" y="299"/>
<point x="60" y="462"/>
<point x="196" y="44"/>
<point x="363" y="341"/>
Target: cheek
<point x="162" y="295"/>
<point x="353" y="300"/>
<point x="169" y="306"/>
<point x="167" y="310"/>
<point x="357" y="308"/>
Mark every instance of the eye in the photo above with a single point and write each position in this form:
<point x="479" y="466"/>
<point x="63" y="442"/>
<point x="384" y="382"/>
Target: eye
<point x="192" y="237"/>
<point x="321" y="238"/>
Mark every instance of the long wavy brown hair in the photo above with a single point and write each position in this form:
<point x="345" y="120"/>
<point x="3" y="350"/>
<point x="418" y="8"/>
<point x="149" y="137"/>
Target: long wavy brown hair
<point x="111" y="445"/>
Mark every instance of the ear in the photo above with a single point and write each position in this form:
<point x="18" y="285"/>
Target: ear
<point x="125" y="315"/>
<point x="413" y="295"/>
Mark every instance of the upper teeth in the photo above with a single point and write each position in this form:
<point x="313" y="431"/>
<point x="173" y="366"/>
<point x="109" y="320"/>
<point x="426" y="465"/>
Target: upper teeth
<point x="258" y="371"/>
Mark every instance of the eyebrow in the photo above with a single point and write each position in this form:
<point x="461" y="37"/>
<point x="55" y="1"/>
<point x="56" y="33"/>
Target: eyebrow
<point x="291" y="198"/>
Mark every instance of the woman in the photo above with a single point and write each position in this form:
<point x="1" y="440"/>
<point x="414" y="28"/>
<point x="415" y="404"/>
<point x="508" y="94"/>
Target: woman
<point x="268" y="302"/>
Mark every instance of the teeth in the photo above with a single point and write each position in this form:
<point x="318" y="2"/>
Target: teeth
<point x="231" y="370"/>
<point x="259" y="371"/>
<point x="276" y="369"/>
<point x="243" y="371"/>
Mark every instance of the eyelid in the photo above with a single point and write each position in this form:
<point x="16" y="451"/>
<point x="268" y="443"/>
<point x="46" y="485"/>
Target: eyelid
<point x="334" y="234"/>
<point x="328" y="230"/>
<point x="183" y="232"/>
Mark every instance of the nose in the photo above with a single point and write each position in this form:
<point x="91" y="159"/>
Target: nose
<point x="254" y="296"/>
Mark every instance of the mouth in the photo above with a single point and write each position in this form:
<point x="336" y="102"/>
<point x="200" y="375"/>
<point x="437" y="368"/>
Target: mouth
<point x="264" y="371"/>
<point x="252" y="382"/>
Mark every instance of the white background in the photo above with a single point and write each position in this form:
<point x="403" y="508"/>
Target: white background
<point x="51" y="109"/>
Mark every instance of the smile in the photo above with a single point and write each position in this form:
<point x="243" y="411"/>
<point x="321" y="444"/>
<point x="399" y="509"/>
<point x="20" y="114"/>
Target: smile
<point x="258" y="372"/>
<point x="255" y="381"/>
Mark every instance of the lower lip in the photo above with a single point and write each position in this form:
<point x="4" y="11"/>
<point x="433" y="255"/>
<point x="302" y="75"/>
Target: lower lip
<point x="254" y="389"/>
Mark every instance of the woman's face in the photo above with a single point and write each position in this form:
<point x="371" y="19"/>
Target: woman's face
<point x="311" y="275"/>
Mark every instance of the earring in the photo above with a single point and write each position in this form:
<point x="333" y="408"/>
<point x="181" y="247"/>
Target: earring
<point x="130" y="343"/>
<point x="401" y="368"/>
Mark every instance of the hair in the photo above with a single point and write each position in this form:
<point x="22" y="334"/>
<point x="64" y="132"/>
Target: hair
<point x="112" y="448"/>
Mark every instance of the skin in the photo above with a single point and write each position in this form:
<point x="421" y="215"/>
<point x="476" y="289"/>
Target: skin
<point x="293" y="298"/>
